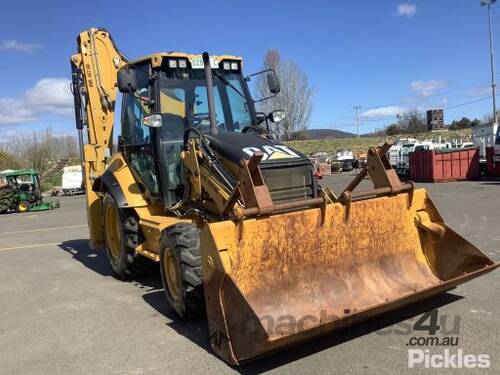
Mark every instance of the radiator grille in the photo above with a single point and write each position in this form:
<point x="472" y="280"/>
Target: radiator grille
<point x="289" y="183"/>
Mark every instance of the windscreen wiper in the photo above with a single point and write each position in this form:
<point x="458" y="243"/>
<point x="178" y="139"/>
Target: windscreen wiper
<point x="227" y="83"/>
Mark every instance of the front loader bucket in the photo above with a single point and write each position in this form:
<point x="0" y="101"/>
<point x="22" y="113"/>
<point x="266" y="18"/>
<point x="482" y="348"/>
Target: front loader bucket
<point x="276" y="281"/>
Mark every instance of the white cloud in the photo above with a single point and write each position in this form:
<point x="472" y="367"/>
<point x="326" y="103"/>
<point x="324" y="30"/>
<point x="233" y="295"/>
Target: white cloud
<point x="47" y="96"/>
<point x="381" y="112"/>
<point x="51" y="95"/>
<point x="480" y="91"/>
<point x="14" y="45"/>
<point x="425" y="89"/>
<point x="13" y="111"/>
<point x="406" y="9"/>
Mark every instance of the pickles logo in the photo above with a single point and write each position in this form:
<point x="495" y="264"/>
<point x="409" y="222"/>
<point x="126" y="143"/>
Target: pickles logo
<point x="274" y="152"/>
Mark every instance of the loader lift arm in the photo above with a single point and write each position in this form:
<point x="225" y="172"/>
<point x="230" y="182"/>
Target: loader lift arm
<point x="94" y="74"/>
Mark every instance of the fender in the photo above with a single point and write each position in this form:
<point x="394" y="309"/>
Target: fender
<point x="119" y="182"/>
<point x="108" y="183"/>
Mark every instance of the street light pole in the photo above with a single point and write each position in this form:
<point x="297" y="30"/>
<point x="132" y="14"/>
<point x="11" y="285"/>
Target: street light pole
<point x="357" y="107"/>
<point x="492" y="60"/>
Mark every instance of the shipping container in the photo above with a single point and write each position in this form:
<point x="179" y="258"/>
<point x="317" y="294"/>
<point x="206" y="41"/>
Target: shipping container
<point x="445" y="166"/>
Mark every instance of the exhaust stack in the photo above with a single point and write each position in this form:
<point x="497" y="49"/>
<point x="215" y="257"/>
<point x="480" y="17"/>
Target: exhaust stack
<point x="210" y="93"/>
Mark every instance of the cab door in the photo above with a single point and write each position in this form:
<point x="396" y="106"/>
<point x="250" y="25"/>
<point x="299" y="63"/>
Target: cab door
<point x="136" y="138"/>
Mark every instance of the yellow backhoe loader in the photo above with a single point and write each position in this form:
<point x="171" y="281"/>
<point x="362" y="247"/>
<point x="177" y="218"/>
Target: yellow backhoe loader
<point x="237" y="220"/>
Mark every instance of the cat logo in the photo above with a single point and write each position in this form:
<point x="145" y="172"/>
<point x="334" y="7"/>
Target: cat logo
<point x="274" y="152"/>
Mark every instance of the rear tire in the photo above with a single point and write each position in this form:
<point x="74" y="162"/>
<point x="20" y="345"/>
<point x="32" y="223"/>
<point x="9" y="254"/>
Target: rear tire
<point x="23" y="206"/>
<point x="121" y="237"/>
<point x="181" y="272"/>
<point x="6" y="198"/>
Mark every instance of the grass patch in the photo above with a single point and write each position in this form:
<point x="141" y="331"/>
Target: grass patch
<point x="50" y="182"/>
<point x="55" y="178"/>
<point x="361" y="145"/>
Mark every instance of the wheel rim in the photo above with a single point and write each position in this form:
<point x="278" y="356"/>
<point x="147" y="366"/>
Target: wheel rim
<point x="23" y="207"/>
<point x="170" y="270"/>
<point x="113" y="231"/>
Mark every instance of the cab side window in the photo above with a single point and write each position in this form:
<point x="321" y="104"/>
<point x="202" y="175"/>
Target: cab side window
<point x="133" y="130"/>
<point x="135" y="134"/>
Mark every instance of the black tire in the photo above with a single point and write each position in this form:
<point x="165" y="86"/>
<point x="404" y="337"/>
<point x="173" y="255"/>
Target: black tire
<point x="6" y="198"/>
<point x="181" y="244"/>
<point x="126" y="264"/>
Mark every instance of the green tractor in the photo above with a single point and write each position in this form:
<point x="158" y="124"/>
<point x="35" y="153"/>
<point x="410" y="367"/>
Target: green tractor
<point x="20" y="191"/>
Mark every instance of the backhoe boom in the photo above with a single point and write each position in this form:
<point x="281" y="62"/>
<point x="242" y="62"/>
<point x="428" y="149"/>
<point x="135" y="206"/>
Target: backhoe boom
<point x="94" y="75"/>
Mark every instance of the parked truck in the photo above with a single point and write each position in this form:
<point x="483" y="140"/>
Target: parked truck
<point x="72" y="181"/>
<point x="483" y="137"/>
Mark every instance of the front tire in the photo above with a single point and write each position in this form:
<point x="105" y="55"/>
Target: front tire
<point x="121" y="237"/>
<point x="181" y="273"/>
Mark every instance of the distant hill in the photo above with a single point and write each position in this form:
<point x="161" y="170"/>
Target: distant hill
<point x="361" y="145"/>
<point x="327" y="134"/>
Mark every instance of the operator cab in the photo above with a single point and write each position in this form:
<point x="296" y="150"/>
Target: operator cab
<point x="166" y="94"/>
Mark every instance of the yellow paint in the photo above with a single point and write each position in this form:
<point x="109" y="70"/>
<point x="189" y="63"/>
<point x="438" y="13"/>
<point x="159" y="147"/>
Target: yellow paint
<point x="113" y="230"/>
<point x="279" y="155"/>
<point x="148" y="254"/>
<point x="152" y="222"/>
<point x="171" y="272"/>
<point x="172" y="105"/>
<point x="22" y="207"/>
<point x="30" y="246"/>
<point x="121" y="170"/>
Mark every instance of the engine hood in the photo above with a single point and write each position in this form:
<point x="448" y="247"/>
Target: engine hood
<point x="237" y="146"/>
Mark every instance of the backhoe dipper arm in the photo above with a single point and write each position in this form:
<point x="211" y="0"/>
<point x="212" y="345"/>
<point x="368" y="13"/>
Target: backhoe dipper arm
<point x="94" y="73"/>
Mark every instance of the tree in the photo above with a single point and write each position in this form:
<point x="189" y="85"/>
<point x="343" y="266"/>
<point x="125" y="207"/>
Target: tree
<point x="412" y="121"/>
<point x="475" y="122"/>
<point x="488" y="119"/>
<point x="464" y="123"/>
<point x="295" y="97"/>
<point x="8" y="161"/>
<point x="35" y="150"/>
<point x="392" y="129"/>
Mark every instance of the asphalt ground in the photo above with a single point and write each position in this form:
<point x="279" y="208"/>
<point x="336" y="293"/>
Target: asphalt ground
<point x="61" y="311"/>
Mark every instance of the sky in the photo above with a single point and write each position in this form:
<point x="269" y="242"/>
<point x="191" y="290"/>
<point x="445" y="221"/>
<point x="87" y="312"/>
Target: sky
<point x="385" y="56"/>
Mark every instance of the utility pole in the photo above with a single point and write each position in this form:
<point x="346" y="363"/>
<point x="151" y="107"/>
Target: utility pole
<point x="489" y="3"/>
<point x="356" y="108"/>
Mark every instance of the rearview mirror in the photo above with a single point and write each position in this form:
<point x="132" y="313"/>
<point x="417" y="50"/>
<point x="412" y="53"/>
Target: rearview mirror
<point x="273" y="82"/>
<point x="127" y="80"/>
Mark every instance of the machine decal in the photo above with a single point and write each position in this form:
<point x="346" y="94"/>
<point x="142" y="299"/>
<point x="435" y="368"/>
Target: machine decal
<point x="272" y="152"/>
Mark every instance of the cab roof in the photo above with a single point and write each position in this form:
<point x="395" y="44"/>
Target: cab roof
<point x="18" y="172"/>
<point x="157" y="58"/>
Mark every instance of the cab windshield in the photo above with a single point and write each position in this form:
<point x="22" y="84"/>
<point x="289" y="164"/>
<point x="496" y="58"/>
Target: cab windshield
<point x="183" y="101"/>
